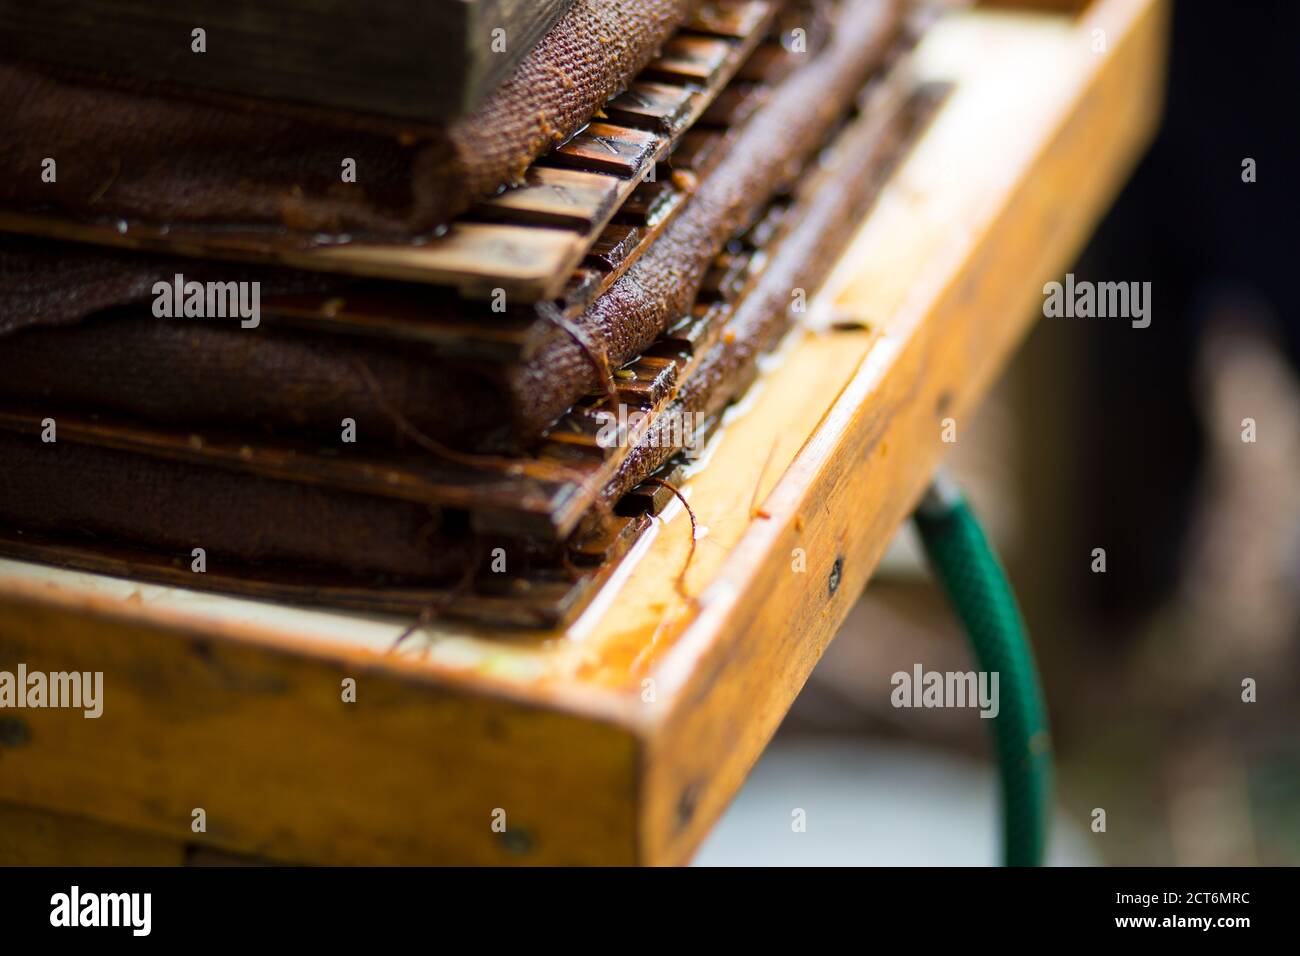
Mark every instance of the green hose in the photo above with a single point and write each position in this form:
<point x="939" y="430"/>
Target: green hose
<point x="977" y="586"/>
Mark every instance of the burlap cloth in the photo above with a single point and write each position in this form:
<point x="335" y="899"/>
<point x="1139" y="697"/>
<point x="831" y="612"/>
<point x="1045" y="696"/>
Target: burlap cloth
<point x="200" y="372"/>
<point x="246" y="522"/>
<point x="161" y="156"/>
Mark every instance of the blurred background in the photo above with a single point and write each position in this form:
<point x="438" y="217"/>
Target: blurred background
<point x="1130" y="440"/>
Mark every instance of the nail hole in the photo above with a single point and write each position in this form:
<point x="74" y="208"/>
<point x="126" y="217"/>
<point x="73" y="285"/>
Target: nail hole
<point x="686" y="804"/>
<point x="837" y="572"/>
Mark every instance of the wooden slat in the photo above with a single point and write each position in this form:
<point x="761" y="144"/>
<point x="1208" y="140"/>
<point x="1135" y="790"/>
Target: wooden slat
<point x="646" y="383"/>
<point x="621" y="150"/>
<point x="647" y="203"/>
<point x="612" y="248"/>
<point x="688" y="59"/>
<point x="736" y="19"/>
<point x="658" y="107"/>
<point x="650" y="498"/>
<point x="472" y="328"/>
<point x="650" y="216"/>
<point x="697" y="331"/>
<point x="475" y="258"/>
<point x="556" y="197"/>
<point x="584" y="284"/>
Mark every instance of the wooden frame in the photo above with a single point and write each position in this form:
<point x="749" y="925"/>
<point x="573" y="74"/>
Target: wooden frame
<point x="500" y="245"/>
<point x="420" y="61"/>
<point x="622" y="740"/>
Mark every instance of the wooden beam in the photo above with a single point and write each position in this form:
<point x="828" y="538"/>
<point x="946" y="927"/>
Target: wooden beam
<point x="1060" y="157"/>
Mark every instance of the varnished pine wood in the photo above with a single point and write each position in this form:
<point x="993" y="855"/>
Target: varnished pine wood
<point x="33" y="837"/>
<point x="622" y="739"/>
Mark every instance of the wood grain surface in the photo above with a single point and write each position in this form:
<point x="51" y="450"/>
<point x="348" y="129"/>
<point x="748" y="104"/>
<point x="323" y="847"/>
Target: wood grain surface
<point x="622" y="739"/>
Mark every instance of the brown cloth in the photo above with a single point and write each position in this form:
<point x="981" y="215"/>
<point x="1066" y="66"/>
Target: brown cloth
<point x="45" y="282"/>
<point x="863" y="159"/>
<point x="203" y="373"/>
<point x="772" y="148"/>
<point x="198" y="372"/>
<point x="102" y="496"/>
<point x="167" y="157"/>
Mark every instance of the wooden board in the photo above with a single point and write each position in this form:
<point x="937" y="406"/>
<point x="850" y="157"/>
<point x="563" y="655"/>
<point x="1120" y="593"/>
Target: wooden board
<point x="420" y="61"/>
<point x="623" y="738"/>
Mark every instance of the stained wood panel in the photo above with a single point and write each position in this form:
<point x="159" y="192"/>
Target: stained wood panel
<point x="421" y="61"/>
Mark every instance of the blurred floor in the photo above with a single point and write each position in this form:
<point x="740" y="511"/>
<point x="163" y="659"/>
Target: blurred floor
<point x="1172" y="669"/>
<point x="1148" y="711"/>
<point x="870" y="803"/>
